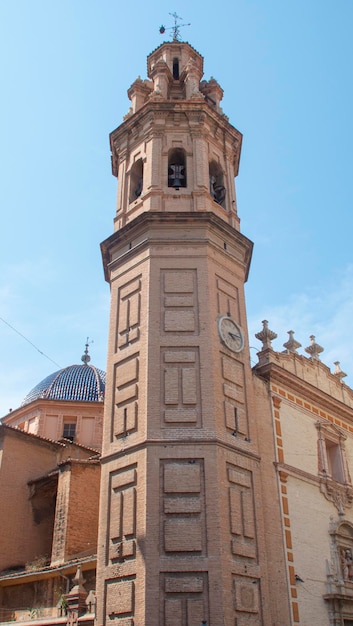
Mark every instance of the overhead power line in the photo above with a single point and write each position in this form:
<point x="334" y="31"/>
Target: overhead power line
<point x="28" y="341"/>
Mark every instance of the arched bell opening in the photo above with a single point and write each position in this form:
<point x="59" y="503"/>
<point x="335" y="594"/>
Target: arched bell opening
<point x="176" y="68"/>
<point x="136" y="180"/>
<point x="217" y="188"/>
<point x="177" y="168"/>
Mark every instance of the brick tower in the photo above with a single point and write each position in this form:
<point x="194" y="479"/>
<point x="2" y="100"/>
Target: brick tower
<point x="180" y="526"/>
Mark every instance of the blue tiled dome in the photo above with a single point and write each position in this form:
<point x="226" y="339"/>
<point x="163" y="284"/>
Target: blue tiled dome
<point x="84" y="383"/>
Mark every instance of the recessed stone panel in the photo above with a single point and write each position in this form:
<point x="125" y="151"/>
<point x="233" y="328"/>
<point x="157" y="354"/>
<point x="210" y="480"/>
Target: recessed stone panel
<point x="184" y="584"/>
<point x="183" y="528"/>
<point x="242" y="548"/>
<point x="181" y="393"/>
<point x="180" y="416"/>
<point x="182" y="505"/>
<point x="126" y="415"/>
<point x="120" y="599"/>
<point x="227" y="297"/>
<point x="239" y="477"/>
<point x="185" y="598"/>
<point x="173" y="612"/>
<point x="234" y="392"/>
<point x="194" y="609"/>
<point x="179" y="301"/>
<point x="122" y="515"/>
<point x="179" y="356"/>
<point x="182" y="478"/>
<point x="179" y="321"/>
<point x="128" y="313"/>
<point x="242" y="512"/>
<point x="182" y="535"/>
<point x="235" y="416"/>
<point x="178" y="281"/>
<point x="233" y="370"/>
<point x="246" y="598"/>
<point x="125" y="400"/>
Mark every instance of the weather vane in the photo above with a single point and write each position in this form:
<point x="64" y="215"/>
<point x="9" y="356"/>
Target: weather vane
<point x="176" y="28"/>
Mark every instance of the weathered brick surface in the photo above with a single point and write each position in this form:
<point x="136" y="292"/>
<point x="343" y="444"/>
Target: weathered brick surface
<point x="44" y="516"/>
<point x="46" y="419"/>
<point x="181" y="414"/>
<point x="22" y="539"/>
<point x="82" y="527"/>
<point x="179" y="408"/>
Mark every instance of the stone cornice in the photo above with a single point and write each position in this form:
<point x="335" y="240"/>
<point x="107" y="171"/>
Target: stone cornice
<point x="275" y="373"/>
<point x="290" y="470"/>
<point x="198" y="111"/>
<point x="174" y="44"/>
<point x="243" y="450"/>
<point x="341" y="494"/>
<point x="48" y="403"/>
<point x="165" y="220"/>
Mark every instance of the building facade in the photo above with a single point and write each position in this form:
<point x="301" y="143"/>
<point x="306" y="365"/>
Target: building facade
<point x="182" y="515"/>
<point x="49" y="495"/>
<point x="225" y="492"/>
<point x="311" y="419"/>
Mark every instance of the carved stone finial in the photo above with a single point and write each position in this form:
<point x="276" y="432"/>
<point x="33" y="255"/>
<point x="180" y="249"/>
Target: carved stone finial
<point x="338" y="372"/>
<point x="78" y="580"/>
<point x="266" y="336"/>
<point x="292" y="344"/>
<point x="314" y="349"/>
<point x="75" y="599"/>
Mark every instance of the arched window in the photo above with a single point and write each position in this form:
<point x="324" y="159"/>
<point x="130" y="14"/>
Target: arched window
<point x="177" y="168"/>
<point x="136" y="180"/>
<point x="176" y="68"/>
<point x="217" y="188"/>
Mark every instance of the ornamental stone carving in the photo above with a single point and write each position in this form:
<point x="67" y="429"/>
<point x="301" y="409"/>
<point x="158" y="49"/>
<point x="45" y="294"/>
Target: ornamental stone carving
<point x="292" y="345"/>
<point x="266" y="336"/>
<point x="314" y="349"/>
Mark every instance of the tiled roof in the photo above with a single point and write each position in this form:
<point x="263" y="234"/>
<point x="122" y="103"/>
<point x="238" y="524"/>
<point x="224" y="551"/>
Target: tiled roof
<point x="84" y="383"/>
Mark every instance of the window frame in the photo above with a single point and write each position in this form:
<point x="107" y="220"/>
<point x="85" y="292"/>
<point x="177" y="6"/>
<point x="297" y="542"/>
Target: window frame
<point x="331" y="442"/>
<point x="69" y="425"/>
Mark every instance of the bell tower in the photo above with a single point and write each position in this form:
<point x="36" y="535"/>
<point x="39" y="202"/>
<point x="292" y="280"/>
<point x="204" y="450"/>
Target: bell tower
<point x="180" y="513"/>
<point x="175" y="151"/>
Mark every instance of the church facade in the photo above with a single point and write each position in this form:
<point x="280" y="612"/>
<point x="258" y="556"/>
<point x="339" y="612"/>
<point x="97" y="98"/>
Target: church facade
<point x="225" y="492"/>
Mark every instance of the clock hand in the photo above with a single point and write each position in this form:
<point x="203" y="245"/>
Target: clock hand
<point x="233" y="335"/>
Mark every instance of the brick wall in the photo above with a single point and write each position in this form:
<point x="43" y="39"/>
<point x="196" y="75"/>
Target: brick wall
<point x="22" y="459"/>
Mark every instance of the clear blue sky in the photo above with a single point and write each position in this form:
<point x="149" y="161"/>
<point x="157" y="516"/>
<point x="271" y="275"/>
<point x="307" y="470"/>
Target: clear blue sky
<point x="286" y="70"/>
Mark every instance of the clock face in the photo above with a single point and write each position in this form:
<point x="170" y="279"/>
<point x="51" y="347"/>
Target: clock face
<point x="230" y="333"/>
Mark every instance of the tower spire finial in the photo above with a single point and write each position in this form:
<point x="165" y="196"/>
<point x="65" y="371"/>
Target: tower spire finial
<point x="85" y="358"/>
<point x="176" y="28"/>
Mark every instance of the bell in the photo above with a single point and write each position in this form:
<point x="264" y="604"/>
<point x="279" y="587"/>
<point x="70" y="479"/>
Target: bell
<point x="176" y="182"/>
<point x="176" y="177"/>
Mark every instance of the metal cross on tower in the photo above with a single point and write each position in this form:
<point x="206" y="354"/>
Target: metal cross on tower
<point x="175" y="28"/>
